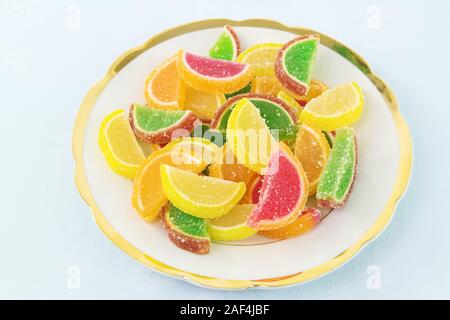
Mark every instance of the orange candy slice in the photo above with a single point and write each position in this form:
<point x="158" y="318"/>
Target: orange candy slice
<point x="192" y="154"/>
<point x="164" y="88"/>
<point x="312" y="150"/>
<point x="307" y="221"/>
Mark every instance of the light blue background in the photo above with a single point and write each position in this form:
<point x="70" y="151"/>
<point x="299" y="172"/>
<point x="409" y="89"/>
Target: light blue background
<point x="47" y="64"/>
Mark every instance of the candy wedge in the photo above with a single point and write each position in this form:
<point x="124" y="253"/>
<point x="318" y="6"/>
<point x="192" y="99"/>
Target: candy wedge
<point x="295" y="62"/>
<point x="213" y="75"/>
<point x="200" y="196"/>
<point x="283" y="193"/>
<point x="339" y="174"/>
<point x="119" y="145"/>
<point x="312" y="150"/>
<point x="249" y="137"/>
<point x="227" y="46"/>
<point x="336" y="108"/>
<point x="160" y="126"/>
<point x="164" y="88"/>
<point x="185" y="231"/>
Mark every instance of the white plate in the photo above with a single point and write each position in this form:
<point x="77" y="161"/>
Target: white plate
<point x="380" y="153"/>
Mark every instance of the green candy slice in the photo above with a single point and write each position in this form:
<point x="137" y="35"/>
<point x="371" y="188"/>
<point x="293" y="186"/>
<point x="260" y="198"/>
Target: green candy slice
<point x="185" y="231"/>
<point x="339" y="174"/>
<point x="157" y="126"/>
<point x="295" y="62"/>
<point x="227" y="46"/>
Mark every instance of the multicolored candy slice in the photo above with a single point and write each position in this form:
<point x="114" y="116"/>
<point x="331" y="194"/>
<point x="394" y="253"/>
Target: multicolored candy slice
<point x="213" y="75"/>
<point x="339" y="174"/>
<point x="185" y="231"/>
<point x="158" y="126"/>
<point x="295" y="62"/>
<point x="276" y="113"/>
<point x="227" y="46"/>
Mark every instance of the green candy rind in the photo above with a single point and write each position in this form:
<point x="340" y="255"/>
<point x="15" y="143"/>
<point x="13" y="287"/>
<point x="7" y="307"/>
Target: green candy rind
<point x="187" y="224"/>
<point x="337" y="178"/>
<point x="152" y="120"/>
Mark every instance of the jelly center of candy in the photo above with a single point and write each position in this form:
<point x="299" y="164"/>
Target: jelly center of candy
<point x="212" y="67"/>
<point x="298" y="60"/>
<point x="223" y="48"/>
<point x="280" y="191"/>
<point x="186" y="223"/>
<point x="152" y="119"/>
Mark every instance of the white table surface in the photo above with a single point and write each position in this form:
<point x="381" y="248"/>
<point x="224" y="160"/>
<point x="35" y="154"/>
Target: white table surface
<point x="51" y="52"/>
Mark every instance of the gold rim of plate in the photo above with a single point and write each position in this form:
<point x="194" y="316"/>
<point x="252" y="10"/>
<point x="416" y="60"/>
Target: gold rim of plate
<point x="400" y="186"/>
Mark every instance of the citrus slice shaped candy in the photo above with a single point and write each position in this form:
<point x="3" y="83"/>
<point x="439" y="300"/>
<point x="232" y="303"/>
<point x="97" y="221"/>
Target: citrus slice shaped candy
<point x="200" y="196"/>
<point x="203" y="104"/>
<point x="232" y="226"/>
<point x="316" y="88"/>
<point x="276" y="113"/>
<point x="192" y="154"/>
<point x="160" y="126"/>
<point x="262" y="58"/>
<point x="339" y="175"/>
<point x="283" y="193"/>
<point x="249" y="137"/>
<point x="307" y="221"/>
<point x="230" y="169"/>
<point x="185" y="231"/>
<point x="119" y="145"/>
<point x="164" y="88"/>
<point x="288" y="99"/>
<point x="312" y="149"/>
<point x="336" y="108"/>
<point x="212" y="75"/>
<point x="294" y="63"/>
<point x="227" y="46"/>
<point x="266" y="85"/>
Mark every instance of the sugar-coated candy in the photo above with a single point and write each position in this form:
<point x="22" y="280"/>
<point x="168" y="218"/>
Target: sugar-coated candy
<point x="213" y="75"/>
<point x="227" y="46"/>
<point x="295" y="62"/>
<point x="164" y="88"/>
<point x="159" y="126"/>
<point x="339" y="174"/>
<point x="185" y="231"/>
<point x="283" y="193"/>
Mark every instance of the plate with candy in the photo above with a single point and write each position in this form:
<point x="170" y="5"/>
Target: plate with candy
<point x="240" y="154"/>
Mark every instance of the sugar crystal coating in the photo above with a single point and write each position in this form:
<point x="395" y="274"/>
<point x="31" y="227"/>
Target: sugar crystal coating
<point x="158" y="126"/>
<point x="227" y="46"/>
<point x="295" y="62"/>
<point x="339" y="174"/>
